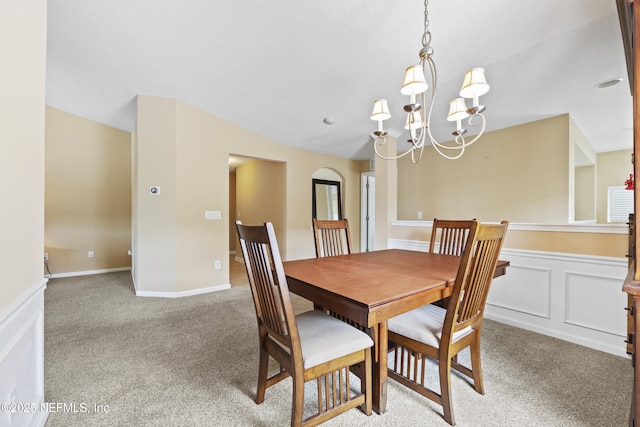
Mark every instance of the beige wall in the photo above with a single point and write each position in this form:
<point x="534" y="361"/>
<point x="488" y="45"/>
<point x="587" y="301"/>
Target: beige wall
<point x="499" y="177"/>
<point x="581" y="188"/>
<point x="134" y="203"/>
<point x="585" y="193"/>
<point x="232" y="208"/>
<point x="155" y="219"/>
<point x="87" y="194"/>
<point x="599" y="244"/>
<point x="185" y="151"/>
<point x="524" y="174"/>
<point x="23" y="32"/>
<point x="261" y="197"/>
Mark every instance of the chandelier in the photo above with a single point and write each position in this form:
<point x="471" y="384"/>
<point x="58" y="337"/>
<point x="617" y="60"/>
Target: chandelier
<point x="418" y="121"/>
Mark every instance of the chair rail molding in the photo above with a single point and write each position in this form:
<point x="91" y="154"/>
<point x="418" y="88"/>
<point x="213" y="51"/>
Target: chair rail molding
<point x="577" y="227"/>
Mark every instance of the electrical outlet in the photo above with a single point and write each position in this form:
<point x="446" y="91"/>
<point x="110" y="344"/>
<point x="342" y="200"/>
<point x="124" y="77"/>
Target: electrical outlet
<point x="218" y="264"/>
<point x="90" y="254"/>
<point x="46" y="257"/>
<point x="419" y="214"/>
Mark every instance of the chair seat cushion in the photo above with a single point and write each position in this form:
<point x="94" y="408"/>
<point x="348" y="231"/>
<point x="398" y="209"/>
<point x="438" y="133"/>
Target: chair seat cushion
<point x="424" y="324"/>
<point x="324" y="338"/>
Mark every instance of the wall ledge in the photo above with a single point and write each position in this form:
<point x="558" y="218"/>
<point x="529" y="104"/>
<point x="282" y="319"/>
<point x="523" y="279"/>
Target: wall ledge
<point x="25" y="298"/>
<point x="418" y="245"/>
<point x="557" y="228"/>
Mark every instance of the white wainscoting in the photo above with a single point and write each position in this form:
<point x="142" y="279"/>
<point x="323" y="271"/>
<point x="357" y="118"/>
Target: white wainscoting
<point x="22" y="360"/>
<point x="576" y="298"/>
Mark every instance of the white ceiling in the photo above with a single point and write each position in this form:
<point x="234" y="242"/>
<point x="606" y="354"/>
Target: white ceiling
<point x="279" y="67"/>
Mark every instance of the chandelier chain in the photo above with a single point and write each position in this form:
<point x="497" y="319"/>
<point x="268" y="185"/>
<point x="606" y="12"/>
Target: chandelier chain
<point x="426" y="36"/>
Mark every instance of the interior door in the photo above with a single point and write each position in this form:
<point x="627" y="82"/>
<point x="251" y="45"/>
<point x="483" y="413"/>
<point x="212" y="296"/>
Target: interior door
<point x="368" y="211"/>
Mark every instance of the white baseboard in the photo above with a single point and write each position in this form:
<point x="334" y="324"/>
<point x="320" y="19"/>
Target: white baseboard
<point x="148" y="293"/>
<point x="88" y="272"/>
<point x="573" y="297"/>
<point x="182" y="293"/>
<point x="22" y="359"/>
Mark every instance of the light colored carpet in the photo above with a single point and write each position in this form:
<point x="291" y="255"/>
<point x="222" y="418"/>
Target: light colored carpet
<point x="193" y="362"/>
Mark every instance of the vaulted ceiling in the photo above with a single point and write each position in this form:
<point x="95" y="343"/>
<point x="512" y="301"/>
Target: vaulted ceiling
<point x="280" y="67"/>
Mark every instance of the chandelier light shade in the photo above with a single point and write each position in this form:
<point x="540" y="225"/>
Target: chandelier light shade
<point x="418" y="122"/>
<point x="414" y="81"/>
<point x="458" y="111"/>
<point x="380" y="112"/>
<point x="474" y="84"/>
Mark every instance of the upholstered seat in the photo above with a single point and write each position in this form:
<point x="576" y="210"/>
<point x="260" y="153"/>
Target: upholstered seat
<point x="324" y="338"/>
<point x="425" y="324"/>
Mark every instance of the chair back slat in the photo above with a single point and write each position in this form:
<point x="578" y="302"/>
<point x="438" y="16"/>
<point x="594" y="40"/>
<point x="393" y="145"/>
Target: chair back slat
<point x="450" y="236"/>
<point x="475" y="275"/>
<point x="332" y="237"/>
<point x="267" y="280"/>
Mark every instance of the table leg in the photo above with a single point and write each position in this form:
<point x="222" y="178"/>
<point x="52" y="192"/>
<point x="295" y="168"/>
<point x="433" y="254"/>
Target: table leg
<point x="380" y="368"/>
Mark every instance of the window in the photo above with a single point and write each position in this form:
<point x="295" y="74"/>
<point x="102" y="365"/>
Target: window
<point x="619" y="204"/>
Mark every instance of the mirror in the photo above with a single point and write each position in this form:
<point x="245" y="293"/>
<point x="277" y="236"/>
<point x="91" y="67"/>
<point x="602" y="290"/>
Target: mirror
<point x="326" y="201"/>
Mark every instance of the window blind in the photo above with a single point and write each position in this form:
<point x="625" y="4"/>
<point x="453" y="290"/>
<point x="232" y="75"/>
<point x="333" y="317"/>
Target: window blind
<point x="619" y="204"/>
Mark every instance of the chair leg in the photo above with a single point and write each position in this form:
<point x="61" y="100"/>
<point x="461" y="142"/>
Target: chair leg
<point x="476" y="367"/>
<point x="263" y="367"/>
<point x="298" y="401"/>
<point x="444" y="365"/>
<point x="366" y="383"/>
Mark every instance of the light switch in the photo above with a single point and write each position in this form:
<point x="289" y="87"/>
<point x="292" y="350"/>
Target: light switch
<point x="212" y="215"/>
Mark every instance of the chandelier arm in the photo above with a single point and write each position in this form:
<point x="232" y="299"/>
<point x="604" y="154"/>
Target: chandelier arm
<point x="484" y="123"/>
<point x="420" y="140"/>
<point x="462" y="143"/>
<point x="384" y="141"/>
<point x="413" y="155"/>
<point x="460" y="139"/>
<point x="434" y="86"/>
<point x="439" y="147"/>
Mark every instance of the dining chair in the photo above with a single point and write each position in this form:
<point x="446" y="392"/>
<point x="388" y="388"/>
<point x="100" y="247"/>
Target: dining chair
<point x="308" y="346"/>
<point x="332" y="237"/>
<point x="449" y="235"/>
<point x="440" y="334"/>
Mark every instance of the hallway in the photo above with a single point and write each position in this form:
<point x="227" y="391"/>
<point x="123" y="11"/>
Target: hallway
<point x="237" y="272"/>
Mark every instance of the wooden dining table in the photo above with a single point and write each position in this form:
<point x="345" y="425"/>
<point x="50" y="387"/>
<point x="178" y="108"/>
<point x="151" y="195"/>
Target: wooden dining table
<point x="371" y="287"/>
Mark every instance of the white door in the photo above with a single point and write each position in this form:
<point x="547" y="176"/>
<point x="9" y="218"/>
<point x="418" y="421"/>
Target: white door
<point x="368" y="211"/>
